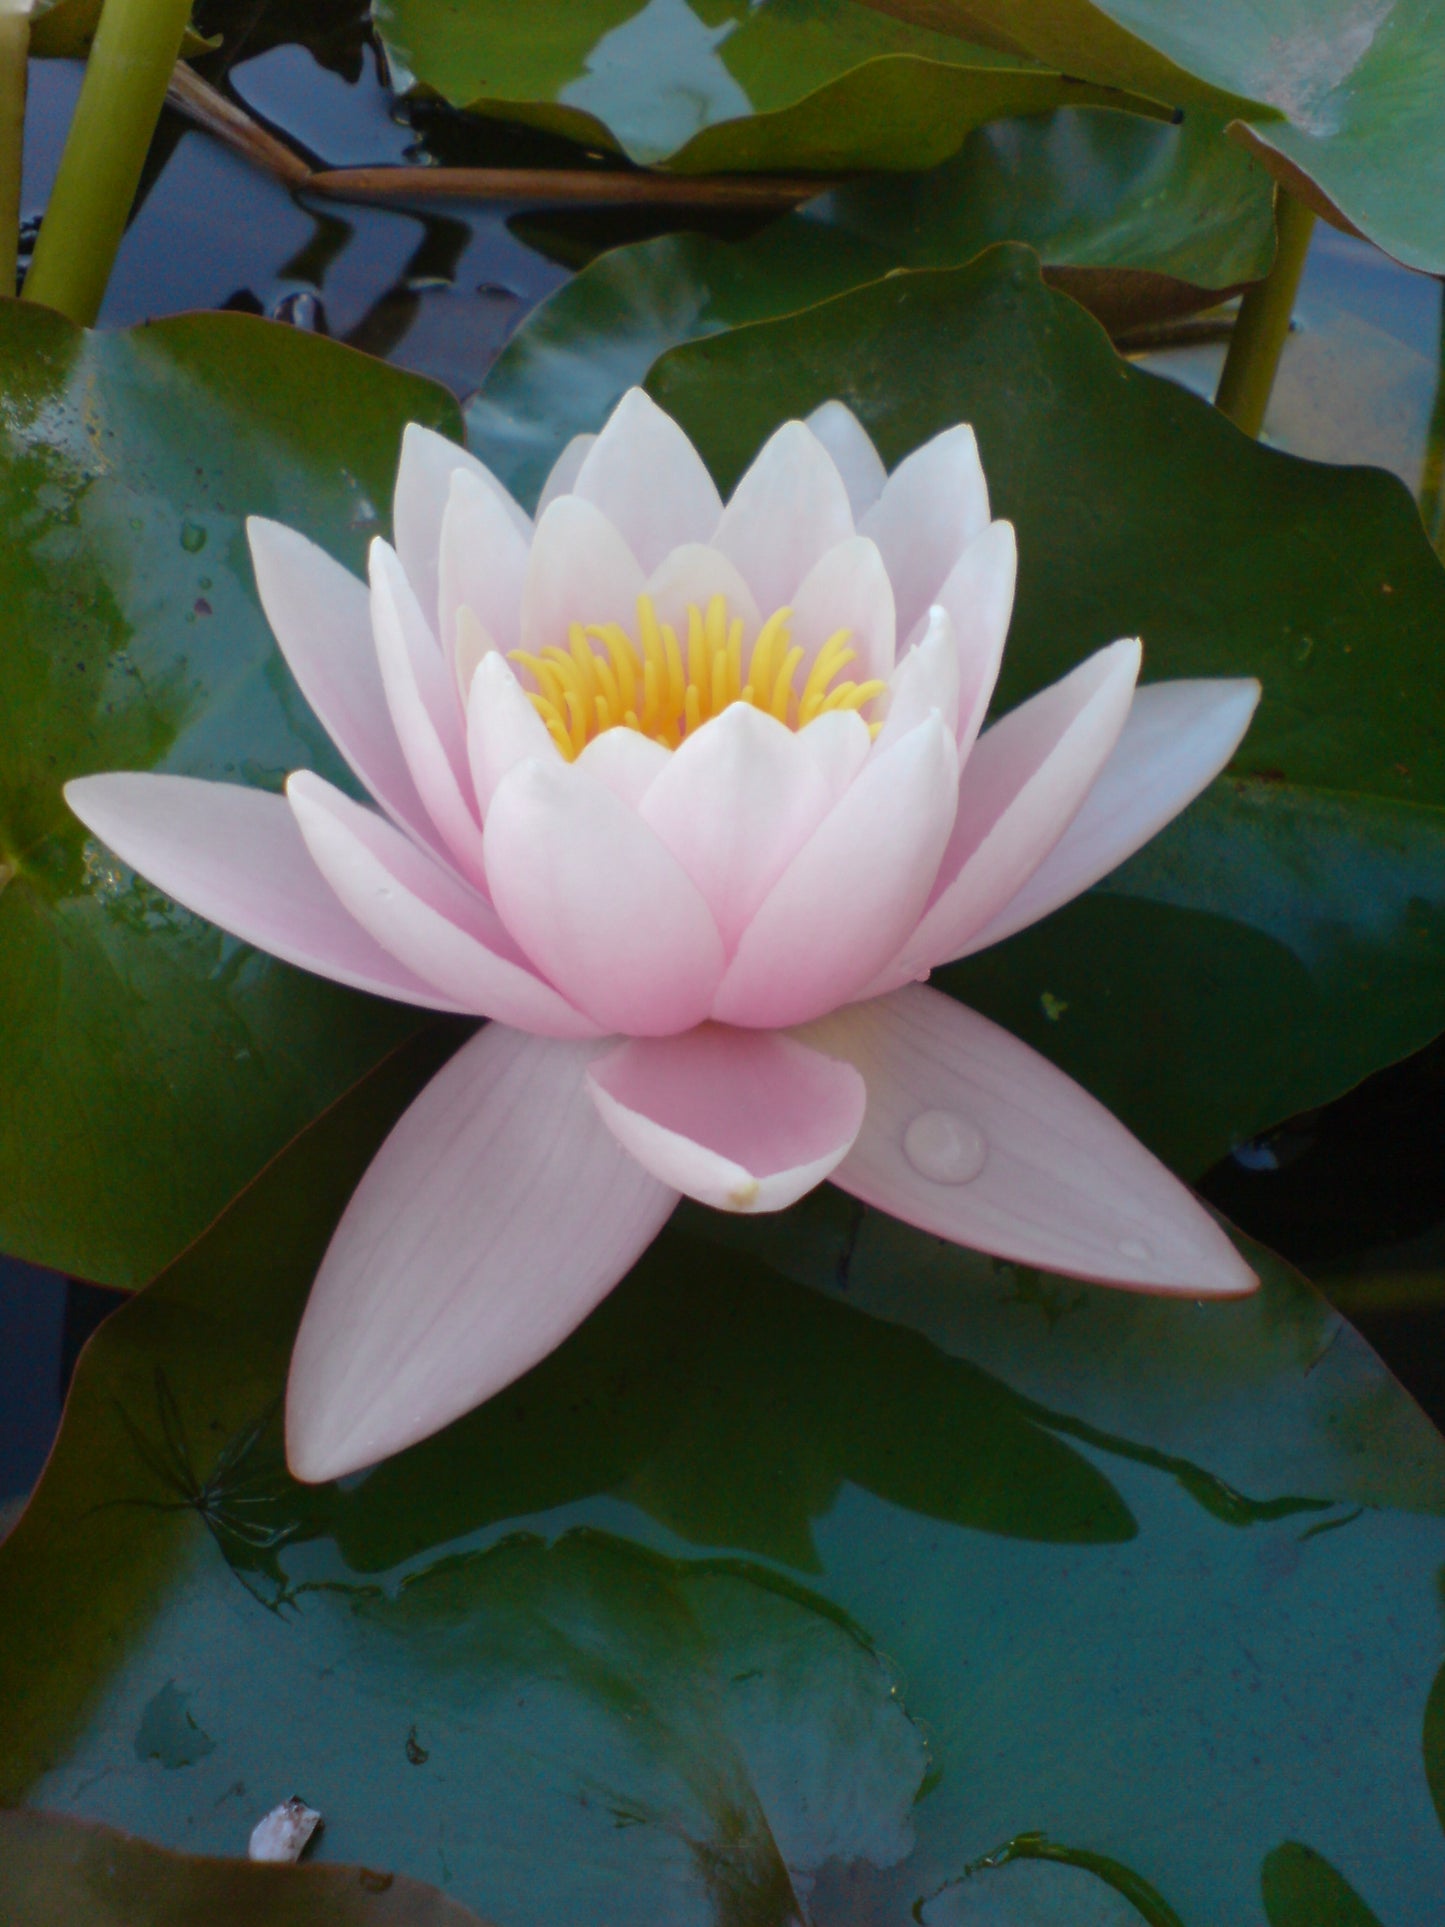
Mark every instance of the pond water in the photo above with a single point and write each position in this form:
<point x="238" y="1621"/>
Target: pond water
<point x="1354" y="1193"/>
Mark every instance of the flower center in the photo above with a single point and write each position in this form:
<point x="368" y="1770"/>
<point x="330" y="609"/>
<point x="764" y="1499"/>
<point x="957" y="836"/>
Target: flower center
<point x="665" y="689"/>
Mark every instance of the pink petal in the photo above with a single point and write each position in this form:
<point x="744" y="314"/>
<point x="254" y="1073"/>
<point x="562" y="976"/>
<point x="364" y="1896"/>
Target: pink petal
<point x="491" y="1222"/>
<point x="848" y="588"/>
<point x="1178" y="738"/>
<point x="423" y="484"/>
<point x="925" y="681"/>
<point x="972" y="1136"/>
<point x="790" y="508"/>
<point x="839" y="742"/>
<point x="503" y="729"/>
<point x="935" y="503"/>
<point x="424" y="915"/>
<point x="979" y="598"/>
<point x="236" y="857"/>
<point x="853" y="453"/>
<point x="689" y="578"/>
<point x="482" y="565"/>
<point x="321" y="616"/>
<point x="598" y="903"/>
<point x="425" y="704"/>
<point x="741" y="1119"/>
<point x="580" y="570"/>
<point x="1025" y="779"/>
<point x="649" y="480"/>
<point x="564" y="472"/>
<point x="628" y="762"/>
<point x="735" y="802"/>
<point x="852" y="893"/>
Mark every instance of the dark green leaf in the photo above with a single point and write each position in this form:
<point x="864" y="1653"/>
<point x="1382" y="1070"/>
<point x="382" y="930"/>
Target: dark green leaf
<point x="152" y="1065"/>
<point x="636" y="1640"/>
<point x="56" y="1872"/>
<point x="712" y="85"/>
<point x="1343" y="101"/>
<point x="1287" y="935"/>
<point x="1144" y="218"/>
<point x="1301" y="1889"/>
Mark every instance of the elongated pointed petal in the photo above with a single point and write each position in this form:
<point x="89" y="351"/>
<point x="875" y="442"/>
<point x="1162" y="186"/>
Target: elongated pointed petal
<point x="649" y="480"/>
<point x="735" y="803"/>
<point x="689" y="577"/>
<point x="425" y="915"/>
<point x="1023" y="782"/>
<point x="852" y="893"/>
<point x="854" y="456"/>
<point x="741" y="1119"/>
<point x="790" y="508"/>
<point x="934" y="504"/>
<point x="924" y="681"/>
<point x="978" y="594"/>
<point x="482" y="565"/>
<point x="423" y="484"/>
<point x="426" y="707"/>
<point x="563" y="472"/>
<point x="848" y="588"/>
<point x="491" y="1222"/>
<point x="972" y="1136"/>
<point x="1178" y="738"/>
<point x="599" y="903"/>
<point x="236" y="857"/>
<point x="579" y="570"/>
<point x="503" y="729"/>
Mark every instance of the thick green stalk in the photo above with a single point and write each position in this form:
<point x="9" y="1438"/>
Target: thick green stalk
<point x="1263" y="325"/>
<point x="135" y="51"/>
<point x="14" y="56"/>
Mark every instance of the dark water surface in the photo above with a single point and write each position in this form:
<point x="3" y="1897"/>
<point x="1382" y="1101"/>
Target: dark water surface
<point x="1354" y="1193"/>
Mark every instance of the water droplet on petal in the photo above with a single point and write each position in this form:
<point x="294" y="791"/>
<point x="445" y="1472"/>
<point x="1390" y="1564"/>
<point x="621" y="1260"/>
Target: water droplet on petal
<point x="1134" y="1248"/>
<point x="945" y="1148"/>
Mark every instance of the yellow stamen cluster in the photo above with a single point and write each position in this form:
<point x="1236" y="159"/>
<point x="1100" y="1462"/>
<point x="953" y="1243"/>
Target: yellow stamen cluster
<point x="666" y="688"/>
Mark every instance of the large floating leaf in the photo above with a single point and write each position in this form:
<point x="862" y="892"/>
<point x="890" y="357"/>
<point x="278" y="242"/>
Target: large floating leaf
<point x="1288" y="934"/>
<point x="1135" y="218"/>
<point x="1344" y="100"/>
<point x="1154" y="1581"/>
<point x="60" y="1873"/>
<point x="152" y="1065"/>
<point x="708" y="85"/>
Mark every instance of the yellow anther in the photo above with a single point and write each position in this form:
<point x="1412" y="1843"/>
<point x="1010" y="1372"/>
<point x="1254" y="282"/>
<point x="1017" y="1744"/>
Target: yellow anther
<point x="665" y="689"/>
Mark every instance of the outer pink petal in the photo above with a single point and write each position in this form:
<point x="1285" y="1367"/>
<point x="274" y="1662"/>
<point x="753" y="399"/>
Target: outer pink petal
<point x="598" y="903"/>
<point x="852" y="893"/>
<point x="491" y="1222"/>
<point x="974" y="1137"/>
<point x="925" y="680"/>
<point x="935" y="503"/>
<point x="482" y="564"/>
<point x="1024" y="781"/>
<point x="423" y="483"/>
<point x="735" y="802"/>
<point x="564" y="472"/>
<point x="579" y="570"/>
<point x="424" y="915"/>
<point x="503" y="729"/>
<point x="649" y="480"/>
<point x="848" y="588"/>
<point x="979" y="597"/>
<point x="236" y="857"/>
<point x="741" y="1119"/>
<point x="628" y="762"/>
<point x="321" y="616"/>
<point x="839" y="742"/>
<point x="1178" y="738"/>
<point x="425" y="703"/>
<point x="790" y="508"/>
<point x="854" y="456"/>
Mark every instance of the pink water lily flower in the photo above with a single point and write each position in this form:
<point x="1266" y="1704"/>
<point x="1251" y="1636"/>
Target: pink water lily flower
<point x="687" y="798"/>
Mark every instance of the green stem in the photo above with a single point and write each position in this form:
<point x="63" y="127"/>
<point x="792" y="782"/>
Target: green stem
<point x="1432" y="474"/>
<point x="14" y="56"/>
<point x="1264" y="317"/>
<point x="131" y="61"/>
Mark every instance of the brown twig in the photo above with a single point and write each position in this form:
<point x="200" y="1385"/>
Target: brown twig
<point x="566" y="186"/>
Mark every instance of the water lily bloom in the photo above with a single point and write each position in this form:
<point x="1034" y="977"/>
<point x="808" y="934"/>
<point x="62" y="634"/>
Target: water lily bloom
<point x="687" y="798"/>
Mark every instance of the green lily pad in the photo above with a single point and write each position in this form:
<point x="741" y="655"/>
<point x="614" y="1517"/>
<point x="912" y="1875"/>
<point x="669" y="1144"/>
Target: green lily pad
<point x="1301" y="1889"/>
<point x="56" y="1872"/>
<point x="1287" y="935"/>
<point x="721" y="85"/>
<point x="1135" y="218"/>
<point x="1344" y="102"/>
<point x="153" y="1065"/>
<point x="821" y="1564"/>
